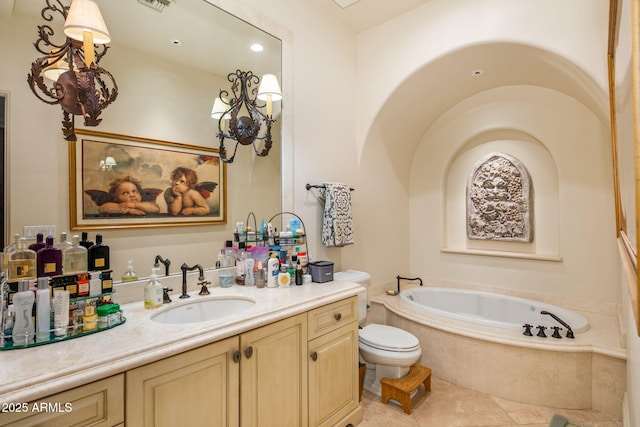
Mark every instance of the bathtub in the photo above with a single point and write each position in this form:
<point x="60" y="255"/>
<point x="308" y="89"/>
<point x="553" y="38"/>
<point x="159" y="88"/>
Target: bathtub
<point x="489" y="309"/>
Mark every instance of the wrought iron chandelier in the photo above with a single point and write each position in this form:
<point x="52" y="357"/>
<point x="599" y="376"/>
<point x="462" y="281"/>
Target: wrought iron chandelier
<point x="254" y="127"/>
<point x="69" y="73"/>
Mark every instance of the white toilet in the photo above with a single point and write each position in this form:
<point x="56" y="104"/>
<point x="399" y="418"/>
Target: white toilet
<point x="386" y="350"/>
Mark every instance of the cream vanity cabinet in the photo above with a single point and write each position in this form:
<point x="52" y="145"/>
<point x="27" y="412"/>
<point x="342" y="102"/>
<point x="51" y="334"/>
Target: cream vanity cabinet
<point x="255" y="379"/>
<point x="99" y="404"/>
<point x="333" y="364"/>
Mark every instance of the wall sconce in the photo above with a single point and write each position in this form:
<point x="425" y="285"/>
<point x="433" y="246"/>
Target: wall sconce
<point x="80" y="85"/>
<point x="256" y="125"/>
<point x="108" y="163"/>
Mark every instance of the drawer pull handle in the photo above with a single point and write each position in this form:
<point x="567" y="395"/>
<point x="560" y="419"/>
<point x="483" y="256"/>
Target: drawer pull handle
<point x="248" y="352"/>
<point x="236" y="356"/>
<point x="314" y="356"/>
<point x="338" y="316"/>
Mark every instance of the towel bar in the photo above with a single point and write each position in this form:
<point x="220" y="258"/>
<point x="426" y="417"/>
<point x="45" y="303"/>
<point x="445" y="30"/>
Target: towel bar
<point x="309" y="187"/>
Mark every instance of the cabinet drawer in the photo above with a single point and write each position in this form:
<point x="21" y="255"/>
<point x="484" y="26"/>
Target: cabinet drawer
<point x="100" y="403"/>
<point x="331" y="316"/>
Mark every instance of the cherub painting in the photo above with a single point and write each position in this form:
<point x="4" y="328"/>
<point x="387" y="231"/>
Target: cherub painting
<point x="191" y="180"/>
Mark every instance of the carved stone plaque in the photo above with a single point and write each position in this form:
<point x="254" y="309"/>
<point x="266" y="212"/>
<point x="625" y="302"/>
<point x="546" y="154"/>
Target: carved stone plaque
<point x="499" y="200"/>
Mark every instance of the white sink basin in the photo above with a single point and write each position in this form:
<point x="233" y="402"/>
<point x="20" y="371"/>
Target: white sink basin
<point x="203" y="310"/>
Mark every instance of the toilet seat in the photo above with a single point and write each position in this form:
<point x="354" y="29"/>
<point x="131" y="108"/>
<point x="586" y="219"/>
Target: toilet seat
<point x="388" y="338"/>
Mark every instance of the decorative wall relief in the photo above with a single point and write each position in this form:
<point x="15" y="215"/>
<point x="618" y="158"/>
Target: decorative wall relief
<point x="499" y="200"/>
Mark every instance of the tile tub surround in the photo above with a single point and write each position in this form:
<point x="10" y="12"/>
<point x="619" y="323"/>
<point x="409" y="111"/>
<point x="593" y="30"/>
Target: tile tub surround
<point x="585" y="373"/>
<point x="34" y="373"/>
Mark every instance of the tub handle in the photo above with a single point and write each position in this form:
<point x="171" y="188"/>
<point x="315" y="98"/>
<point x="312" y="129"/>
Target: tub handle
<point x="338" y="317"/>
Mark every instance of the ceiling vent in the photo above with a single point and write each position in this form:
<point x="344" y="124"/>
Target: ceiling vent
<point x="157" y="5"/>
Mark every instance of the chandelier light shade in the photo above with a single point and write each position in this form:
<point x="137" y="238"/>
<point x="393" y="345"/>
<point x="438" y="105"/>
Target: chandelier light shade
<point x="80" y="85"/>
<point x="254" y="127"/>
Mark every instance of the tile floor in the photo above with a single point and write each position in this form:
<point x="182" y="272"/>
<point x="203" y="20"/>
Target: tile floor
<point x="448" y="405"/>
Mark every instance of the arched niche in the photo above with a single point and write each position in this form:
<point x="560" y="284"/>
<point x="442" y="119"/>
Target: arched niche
<point x="543" y="176"/>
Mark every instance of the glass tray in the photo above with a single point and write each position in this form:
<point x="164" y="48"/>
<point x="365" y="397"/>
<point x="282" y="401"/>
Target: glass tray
<point x="72" y="333"/>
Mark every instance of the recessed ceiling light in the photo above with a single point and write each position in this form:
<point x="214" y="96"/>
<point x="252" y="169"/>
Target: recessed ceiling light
<point x="477" y="72"/>
<point x="257" y="47"/>
<point x="345" y="3"/>
<point x="176" y="42"/>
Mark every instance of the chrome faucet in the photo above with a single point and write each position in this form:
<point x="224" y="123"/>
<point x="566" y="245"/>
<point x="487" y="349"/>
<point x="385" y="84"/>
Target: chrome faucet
<point x="166" y="263"/>
<point x="184" y="267"/>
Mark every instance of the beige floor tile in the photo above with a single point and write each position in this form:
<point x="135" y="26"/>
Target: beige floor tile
<point x="448" y="405"/>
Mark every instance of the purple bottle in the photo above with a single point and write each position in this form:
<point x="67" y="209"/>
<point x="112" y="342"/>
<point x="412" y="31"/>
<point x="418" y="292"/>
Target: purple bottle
<point x="39" y="244"/>
<point x="49" y="260"/>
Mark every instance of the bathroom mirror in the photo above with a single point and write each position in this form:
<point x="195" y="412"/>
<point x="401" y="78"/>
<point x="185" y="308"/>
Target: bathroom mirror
<point x="169" y="67"/>
<point x="3" y="150"/>
<point x="624" y="76"/>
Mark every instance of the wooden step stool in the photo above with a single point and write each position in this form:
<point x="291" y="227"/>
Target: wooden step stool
<point x="400" y="389"/>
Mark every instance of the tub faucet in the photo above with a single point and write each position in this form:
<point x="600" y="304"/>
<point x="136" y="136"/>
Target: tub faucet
<point x="166" y="263"/>
<point x="398" y="278"/>
<point x="562" y="322"/>
<point x="184" y="267"/>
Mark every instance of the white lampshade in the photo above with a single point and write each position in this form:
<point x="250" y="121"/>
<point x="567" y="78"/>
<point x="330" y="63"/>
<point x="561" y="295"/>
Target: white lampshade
<point x="269" y="86"/>
<point x="85" y="16"/>
<point x="55" y="69"/>
<point x="110" y="161"/>
<point x="219" y="107"/>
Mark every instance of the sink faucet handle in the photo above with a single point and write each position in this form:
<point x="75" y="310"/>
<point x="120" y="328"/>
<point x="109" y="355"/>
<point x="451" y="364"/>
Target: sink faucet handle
<point x="204" y="290"/>
<point x="165" y="295"/>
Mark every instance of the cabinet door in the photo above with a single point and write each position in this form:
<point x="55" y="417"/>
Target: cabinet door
<point x="195" y="388"/>
<point x="273" y="375"/>
<point x="100" y="403"/>
<point x="333" y="376"/>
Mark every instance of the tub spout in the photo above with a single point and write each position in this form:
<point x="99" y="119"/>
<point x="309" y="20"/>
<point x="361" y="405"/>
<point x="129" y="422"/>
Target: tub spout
<point x="398" y="278"/>
<point x="562" y="322"/>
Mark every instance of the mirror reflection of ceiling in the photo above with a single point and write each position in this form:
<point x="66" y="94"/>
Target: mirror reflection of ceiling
<point x="209" y="38"/>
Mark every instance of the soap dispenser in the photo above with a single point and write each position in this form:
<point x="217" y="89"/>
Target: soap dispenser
<point x="153" y="291"/>
<point x="129" y="275"/>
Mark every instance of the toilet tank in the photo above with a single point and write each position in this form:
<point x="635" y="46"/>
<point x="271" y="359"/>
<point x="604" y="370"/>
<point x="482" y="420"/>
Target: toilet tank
<point x="362" y="278"/>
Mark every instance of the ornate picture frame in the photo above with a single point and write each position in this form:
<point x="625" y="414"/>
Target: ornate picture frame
<point x="121" y="181"/>
<point x="624" y="98"/>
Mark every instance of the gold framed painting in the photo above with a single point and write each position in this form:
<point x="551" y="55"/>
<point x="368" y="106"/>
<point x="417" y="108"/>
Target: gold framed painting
<point x="121" y="181"/>
<point x="624" y="90"/>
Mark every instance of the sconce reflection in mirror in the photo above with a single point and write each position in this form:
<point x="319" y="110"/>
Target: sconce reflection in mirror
<point x="254" y="127"/>
<point x="108" y="163"/>
<point x="80" y="85"/>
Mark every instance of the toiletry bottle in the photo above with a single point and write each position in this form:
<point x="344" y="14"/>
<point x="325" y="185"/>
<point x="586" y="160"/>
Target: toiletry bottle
<point x="39" y="244"/>
<point x="85" y="242"/>
<point x="129" y="275"/>
<point x="64" y="243"/>
<point x="299" y="273"/>
<point x="75" y="257"/>
<point x="43" y="310"/>
<point x="153" y="291"/>
<point x="60" y="312"/>
<point x="241" y="257"/>
<point x="23" y="329"/>
<point x="49" y="260"/>
<point x="8" y="249"/>
<point x="230" y="254"/>
<point x="273" y="267"/>
<point x="22" y="262"/>
<point x="284" y="278"/>
<point x="249" y="278"/>
<point x="89" y="319"/>
<point x="98" y="255"/>
<point x="260" y="275"/>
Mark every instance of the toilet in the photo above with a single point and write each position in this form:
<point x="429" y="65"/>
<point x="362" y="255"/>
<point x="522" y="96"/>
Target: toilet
<point x="386" y="350"/>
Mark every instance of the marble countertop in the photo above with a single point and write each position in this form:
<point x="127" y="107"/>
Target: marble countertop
<point x="33" y="373"/>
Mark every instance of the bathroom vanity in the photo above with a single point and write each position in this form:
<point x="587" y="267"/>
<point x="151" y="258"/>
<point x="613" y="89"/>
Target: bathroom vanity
<point x="289" y="360"/>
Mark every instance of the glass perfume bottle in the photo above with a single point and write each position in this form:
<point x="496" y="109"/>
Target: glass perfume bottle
<point x="75" y="258"/>
<point x="49" y="260"/>
<point x="39" y="244"/>
<point x="22" y="262"/>
<point x="85" y="242"/>
<point x="64" y="243"/>
<point x="98" y="255"/>
<point x="8" y="249"/>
